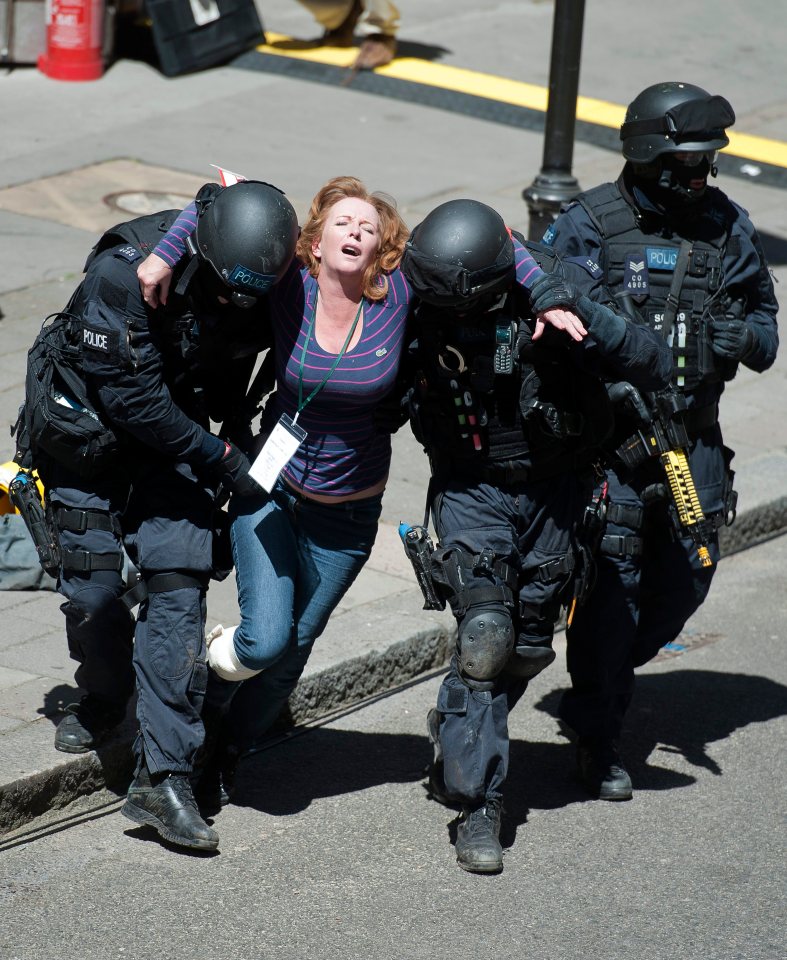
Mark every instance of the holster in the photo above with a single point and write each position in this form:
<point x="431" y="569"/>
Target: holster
<point x="24" y="495"/>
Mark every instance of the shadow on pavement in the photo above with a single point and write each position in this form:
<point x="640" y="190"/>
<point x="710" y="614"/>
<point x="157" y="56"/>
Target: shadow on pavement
<point x="405" y="48"/>
<point x="679" y="712"/>
<point x="284" y="779"/>
<point x="683" y="712"/>
<point x="57" y="699"/>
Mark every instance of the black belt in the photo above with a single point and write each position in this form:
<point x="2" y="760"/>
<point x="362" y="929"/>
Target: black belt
<point x="78" y="521"/>
<point x="626" y="514"/>
<point x="698" y="419"/>
<point x="614" y="546"/>
<point x="502" y="474"/>
<point x="81" y="561"/>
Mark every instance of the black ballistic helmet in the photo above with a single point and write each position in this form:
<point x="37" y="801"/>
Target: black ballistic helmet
<point x="461" y="252"/>
<point x="245" y="239"/>
<point x="674" y="118"/>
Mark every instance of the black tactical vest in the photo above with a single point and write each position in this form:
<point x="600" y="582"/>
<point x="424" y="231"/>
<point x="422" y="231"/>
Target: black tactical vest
<point x="470" y="415"/>
<point x="675" y="283"/>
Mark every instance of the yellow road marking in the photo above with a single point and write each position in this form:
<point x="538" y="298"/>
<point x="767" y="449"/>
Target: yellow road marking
<point x="514" y="92"/>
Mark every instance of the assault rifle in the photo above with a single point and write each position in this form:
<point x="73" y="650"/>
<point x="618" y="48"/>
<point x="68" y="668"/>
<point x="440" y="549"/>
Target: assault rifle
<point x="663" y="434"/>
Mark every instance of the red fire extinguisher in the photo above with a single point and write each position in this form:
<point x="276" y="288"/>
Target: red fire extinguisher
<point x="74" y="40"/>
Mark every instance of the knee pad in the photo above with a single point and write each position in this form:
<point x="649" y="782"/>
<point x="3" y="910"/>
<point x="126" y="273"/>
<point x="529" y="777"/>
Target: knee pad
<point x="484" y="641"/>
<point x="94" y="599"/>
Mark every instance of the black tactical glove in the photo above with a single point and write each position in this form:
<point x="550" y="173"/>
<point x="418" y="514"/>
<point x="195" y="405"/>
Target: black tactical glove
<point x="732" y="339"/>
<point x="605" y="326"/>
<point x="392" y="412"/>
<point x="552" y="290"/>
<point x="233" y="469"/>
<point x="626" y="396"/>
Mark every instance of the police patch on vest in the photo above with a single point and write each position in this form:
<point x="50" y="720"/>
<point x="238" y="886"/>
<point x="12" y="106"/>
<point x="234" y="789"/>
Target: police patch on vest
<point x="128" y="253"/>
<point x="588" y="265"/>
<point x="656" y="322"/>
<point x="103" y="341"/>
<point x="249" y="280"/>
<point x="549" y="236"/>
<point x="661" y="258"/>
<point x="635" y="274"/>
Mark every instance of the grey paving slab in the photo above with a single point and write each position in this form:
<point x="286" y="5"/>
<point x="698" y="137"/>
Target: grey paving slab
<point x="10" y="678"/>
<point x="47" y="653"/>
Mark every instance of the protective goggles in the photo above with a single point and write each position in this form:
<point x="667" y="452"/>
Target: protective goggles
<point x="693" y="158"/>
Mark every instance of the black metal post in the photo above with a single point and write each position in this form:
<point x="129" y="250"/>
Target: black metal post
<point x="555" y="184"/>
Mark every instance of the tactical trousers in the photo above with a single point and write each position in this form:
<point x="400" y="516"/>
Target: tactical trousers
<point x="526" y="525"/>
<point x="641" y="600"/>
<point x="165" y="521"/>
<point x="99" y="629"/>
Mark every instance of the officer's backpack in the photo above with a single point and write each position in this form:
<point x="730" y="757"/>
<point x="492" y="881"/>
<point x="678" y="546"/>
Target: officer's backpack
<point x="59" y="419"/>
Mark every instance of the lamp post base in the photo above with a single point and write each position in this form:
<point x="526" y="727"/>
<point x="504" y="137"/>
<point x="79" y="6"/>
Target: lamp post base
<point x="544" y="198"/>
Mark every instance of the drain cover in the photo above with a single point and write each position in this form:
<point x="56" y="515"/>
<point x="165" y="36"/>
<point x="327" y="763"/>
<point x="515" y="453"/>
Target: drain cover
<point x="140" y="202"/>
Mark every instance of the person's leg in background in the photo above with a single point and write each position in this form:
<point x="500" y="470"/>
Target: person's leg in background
<point x="375" y="21"/>
<point x="377" y="28"/>
<point x="337" y="18"/>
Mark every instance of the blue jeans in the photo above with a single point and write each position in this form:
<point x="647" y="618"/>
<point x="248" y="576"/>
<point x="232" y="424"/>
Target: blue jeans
<point x="295" y="559"/>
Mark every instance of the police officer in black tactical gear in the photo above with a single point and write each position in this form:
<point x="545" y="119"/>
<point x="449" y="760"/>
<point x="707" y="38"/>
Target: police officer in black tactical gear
<point x="510" y="410"/>
<point x="158" y="377"/>
<point x="684" y="260"/>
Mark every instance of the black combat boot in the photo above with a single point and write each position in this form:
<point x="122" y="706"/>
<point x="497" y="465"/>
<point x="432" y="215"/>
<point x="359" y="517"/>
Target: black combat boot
<point x="212" y="781"/>
<point x="214" y="767"/>
<point x="87" y="723"/>
<point x="478" y="847"/>
<point x="165" y="802"/>
<point x="601" y="770"/>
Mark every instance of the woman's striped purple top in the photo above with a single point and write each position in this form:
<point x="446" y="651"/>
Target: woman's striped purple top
<point x="342" y="453"/>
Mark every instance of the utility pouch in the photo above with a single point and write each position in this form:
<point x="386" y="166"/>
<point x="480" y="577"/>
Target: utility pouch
<point x="24" y="495"/>
<point x="223" y="561"/>
<point x="729" y="495"/>
<point x="59" y="419"/>
<point x="707" y="361"/>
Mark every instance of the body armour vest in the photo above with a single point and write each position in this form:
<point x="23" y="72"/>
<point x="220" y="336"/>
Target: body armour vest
<point x="672" y="282"/>
<point x="486" y="396"/>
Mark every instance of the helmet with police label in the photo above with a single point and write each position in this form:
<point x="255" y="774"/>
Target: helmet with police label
<point x="460" y="253"/>
<point x="245" y="239"/>
<point x="674" y="117"/>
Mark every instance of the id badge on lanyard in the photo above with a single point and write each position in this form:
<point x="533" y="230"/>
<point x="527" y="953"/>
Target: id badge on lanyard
<point x="279" y="449"/>
<point x="287" y="436"/>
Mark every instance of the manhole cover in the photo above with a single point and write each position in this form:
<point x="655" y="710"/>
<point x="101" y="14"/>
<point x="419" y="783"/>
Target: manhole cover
<point x="140" y="202"/>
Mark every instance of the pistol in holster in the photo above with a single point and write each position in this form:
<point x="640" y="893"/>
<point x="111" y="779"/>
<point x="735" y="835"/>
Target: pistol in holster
<point x="419" y="549"/>
<point x="24" y="495"/>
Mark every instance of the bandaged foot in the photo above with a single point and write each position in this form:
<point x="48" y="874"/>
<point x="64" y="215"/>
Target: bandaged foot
<point x="222" y="657"/>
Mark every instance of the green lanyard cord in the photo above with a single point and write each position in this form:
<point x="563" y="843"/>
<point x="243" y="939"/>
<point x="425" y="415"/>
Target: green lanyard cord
<point x="301" y="402"/>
